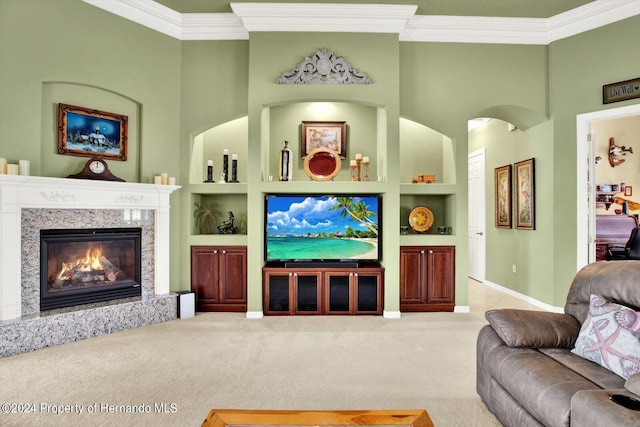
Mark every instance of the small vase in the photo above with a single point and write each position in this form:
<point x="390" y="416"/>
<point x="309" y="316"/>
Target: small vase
<point x="285" y="162"/>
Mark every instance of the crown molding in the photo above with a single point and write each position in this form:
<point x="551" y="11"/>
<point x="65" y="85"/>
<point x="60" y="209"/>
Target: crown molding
<point x="590" y="16"/>
<point x="475" y="29"/>
<point x="316" y="17"/>
<point x="369" y="18"/>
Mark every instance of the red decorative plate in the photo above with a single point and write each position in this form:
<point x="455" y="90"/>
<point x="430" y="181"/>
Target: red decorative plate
<point x="322" y="164"/>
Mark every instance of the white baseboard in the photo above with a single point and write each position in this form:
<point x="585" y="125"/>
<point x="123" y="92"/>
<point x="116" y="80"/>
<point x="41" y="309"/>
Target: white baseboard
<point x="461" y="309"/>
<point x="525" y="298"/>
<point x="391" y="314"/>
<point x="254" y="315"/>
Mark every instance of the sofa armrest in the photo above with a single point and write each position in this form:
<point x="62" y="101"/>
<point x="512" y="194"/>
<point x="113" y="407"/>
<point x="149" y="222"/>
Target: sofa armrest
<point x="633" y="384"/>
<point x="534" y="329"/>
<point x="594" y="407"/>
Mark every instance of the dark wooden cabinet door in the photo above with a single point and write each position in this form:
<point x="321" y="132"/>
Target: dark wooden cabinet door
<point x="412" y="275"/>
<point x="233" y="277"/>
<point x="219" y="277"/>
<point x="427" y="278"/>
<point x="204" y="276"/>
<point x="441" y="284"/>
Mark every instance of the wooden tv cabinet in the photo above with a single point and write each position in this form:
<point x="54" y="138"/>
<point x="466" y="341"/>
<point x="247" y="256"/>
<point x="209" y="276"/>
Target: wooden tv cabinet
<point x="319" y="290"/>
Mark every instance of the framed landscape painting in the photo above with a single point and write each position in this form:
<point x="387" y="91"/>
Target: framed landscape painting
<point x="502" y="178"/>
<point x="525" y="194"/>
<point x="91" y="133"/>
<point x="330" y="135"/>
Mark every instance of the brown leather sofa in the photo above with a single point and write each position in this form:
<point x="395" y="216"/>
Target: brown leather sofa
<point x="527" y="374"/>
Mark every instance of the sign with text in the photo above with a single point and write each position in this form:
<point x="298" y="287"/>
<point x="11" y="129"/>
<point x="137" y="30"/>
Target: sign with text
<point x="621" y="91"/>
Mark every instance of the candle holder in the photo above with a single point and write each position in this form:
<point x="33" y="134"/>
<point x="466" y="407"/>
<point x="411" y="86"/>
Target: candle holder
<point x="225" y="166"/>
<point x="234" y="168"/>
<point x="354" y="171"/>
<point x="358" y="165"/>
<point x="365" y="166"/>
<point x="209" y="172"/>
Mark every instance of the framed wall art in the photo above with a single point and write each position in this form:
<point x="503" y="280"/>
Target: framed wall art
<point x="525" y="194"/>
<point x="91" y="133"/>
<point x="328" y="135"/>
<point x="502" y="179"/>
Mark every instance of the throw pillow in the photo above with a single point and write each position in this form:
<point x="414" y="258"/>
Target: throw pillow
<point x="610" y="337"/>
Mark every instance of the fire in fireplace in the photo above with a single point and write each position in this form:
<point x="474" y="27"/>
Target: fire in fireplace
<point x="82" y="266"/>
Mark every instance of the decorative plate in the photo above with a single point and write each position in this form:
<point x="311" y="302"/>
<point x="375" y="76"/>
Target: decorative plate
<point x="322" y="164"/>
<point x="421" y="219"/>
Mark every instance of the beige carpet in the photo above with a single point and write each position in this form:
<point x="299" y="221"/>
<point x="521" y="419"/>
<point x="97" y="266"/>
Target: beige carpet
<point x="223" y="360"/>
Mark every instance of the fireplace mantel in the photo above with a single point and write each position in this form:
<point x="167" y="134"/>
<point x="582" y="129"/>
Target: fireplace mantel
<point x="20" y="192"/>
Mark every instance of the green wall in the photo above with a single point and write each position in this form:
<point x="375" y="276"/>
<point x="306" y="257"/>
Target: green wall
<point x="578" y="68"/>
<point x="69" y="51"/>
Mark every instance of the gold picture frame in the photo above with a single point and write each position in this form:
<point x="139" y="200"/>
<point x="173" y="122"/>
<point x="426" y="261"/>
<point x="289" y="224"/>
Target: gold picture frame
<point x="502" y="180"/>
<point x="525" y="194"/>
<point x="91" y="133"/>
<point x="329" y="135"/>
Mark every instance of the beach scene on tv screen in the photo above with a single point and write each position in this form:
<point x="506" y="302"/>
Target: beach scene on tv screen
<point x="321" y="227"/>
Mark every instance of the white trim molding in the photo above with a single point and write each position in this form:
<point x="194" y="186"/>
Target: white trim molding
<point x="368" y="18"/>
<point x="525" y="298"/>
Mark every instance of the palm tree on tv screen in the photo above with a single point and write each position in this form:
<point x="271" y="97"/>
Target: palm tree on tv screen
<point x="359" y="211"/>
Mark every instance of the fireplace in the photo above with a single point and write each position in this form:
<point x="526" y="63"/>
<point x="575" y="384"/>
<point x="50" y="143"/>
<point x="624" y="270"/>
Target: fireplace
<point x="82" y="266"/>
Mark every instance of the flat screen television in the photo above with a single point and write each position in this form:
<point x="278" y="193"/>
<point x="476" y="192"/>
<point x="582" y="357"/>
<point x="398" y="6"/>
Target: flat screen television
<point x="305" y="227"/>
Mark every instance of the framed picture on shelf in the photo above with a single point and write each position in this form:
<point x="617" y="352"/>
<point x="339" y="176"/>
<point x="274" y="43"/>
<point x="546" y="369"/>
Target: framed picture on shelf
<point x="525" y="194"/>
<point x="502" y="179"/>
<point x="329" y="135"/>
<point x="91" y="133"/>
<point x="628" y="191"/>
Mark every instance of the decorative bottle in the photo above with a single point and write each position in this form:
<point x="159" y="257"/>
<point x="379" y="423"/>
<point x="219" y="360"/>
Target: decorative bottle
<point x="285" y="162"/>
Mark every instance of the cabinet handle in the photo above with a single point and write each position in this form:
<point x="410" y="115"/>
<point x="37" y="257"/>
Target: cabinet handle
<point x="295" y="274"/>
<point x="355" y="274"/>
<point x="430" y="252"/>
<point x="290" y="274"/>
<point x="224" y="252"/>
<point x="422" y="251"/>
<point x="215" y="252"/>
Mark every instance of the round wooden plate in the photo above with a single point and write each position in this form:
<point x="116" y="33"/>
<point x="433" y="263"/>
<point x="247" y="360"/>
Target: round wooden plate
<point x="421" y="219"/>
<point x="322" y="164"/>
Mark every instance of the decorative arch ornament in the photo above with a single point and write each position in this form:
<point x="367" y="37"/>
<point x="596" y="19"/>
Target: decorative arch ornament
<point x="323" y="67"/>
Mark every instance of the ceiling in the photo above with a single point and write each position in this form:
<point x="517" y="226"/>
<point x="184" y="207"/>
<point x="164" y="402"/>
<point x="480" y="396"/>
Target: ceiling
<point x="498" y="8"/>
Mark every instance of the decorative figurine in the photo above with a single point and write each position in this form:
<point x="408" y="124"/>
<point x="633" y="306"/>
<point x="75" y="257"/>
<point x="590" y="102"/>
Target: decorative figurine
<point x="227" y="226"/>
<point x="286" y="162"/>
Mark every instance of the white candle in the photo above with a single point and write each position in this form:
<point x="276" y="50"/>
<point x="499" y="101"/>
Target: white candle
<point x="225" y="152"/>
<point x="172" y="180"/>
<point x="234" y="157"/>
<point x="12" y="169"/>
<point x="3" y="166"/>
<point x="157" y="180"/>
<point x="352" y="163"/>
<point x="358" y="156"/>
<point x="23" y="167"/>
<point x="209" y="162"/>
<point x="365" y="159"/>
<point x="165" y="178"/>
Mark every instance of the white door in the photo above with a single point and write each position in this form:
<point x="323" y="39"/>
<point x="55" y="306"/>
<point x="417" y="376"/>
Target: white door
<point x="477" y="216"/>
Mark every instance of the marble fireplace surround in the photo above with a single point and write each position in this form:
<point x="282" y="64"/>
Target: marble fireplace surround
<point x="28" y="204"/>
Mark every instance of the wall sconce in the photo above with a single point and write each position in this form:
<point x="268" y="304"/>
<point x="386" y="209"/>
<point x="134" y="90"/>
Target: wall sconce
<point x="616" y="151"/>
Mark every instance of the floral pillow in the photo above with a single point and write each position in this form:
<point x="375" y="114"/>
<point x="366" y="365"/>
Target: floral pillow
<point x="610" y="337"/>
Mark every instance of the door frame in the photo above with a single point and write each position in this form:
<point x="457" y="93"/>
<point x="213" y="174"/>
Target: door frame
<point x="585" y="157"/>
